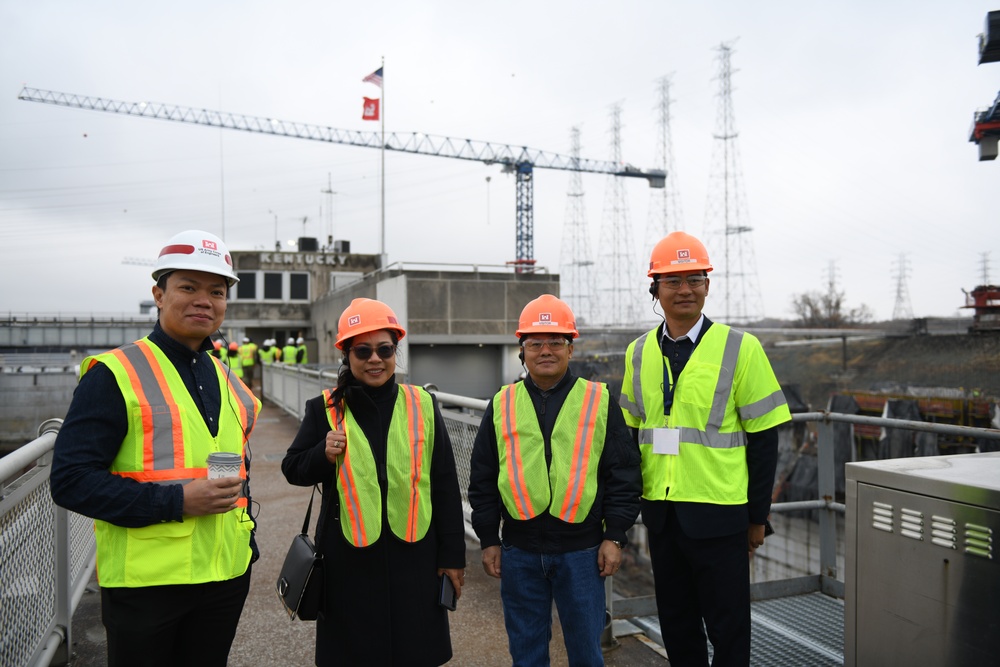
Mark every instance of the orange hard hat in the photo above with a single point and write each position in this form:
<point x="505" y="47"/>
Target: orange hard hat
<point x="234" y="346"/>
<point x="678" y="252"/>
<point x="547" y="314"/>
<point x="217" y="344"/>
<point x="364" y="315"/>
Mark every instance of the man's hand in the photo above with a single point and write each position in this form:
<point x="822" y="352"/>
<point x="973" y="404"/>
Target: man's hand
<point x="609" y="558"/>
<point x="211" y="496"/>
<point x="755" y="537"/>
<point x="491" y="561"/>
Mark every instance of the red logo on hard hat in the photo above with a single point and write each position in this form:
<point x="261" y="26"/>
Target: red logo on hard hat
<point x="683" y="254"/>
<point x="544" y="317"/>
<point x="353" y="320"/>
<point x="211" y="245"/>
<point x="392" y="320"/>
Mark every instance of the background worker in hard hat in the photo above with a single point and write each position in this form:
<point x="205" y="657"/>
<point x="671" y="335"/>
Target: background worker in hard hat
<point x="248" y="360"/>
<point x="554" y="463"/>
<point x="173" y="547"/>
<point x="301" y="352"/>
<point x="267" y="352"/>
<point x="234" y="360"/>
<point x="216" y="350"/>
<point x="393" y="525"/>
<point x="705" y="406"/>
<point x="289" y="353"/>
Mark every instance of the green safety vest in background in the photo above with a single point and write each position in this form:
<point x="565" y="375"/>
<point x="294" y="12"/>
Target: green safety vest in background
<point x="247" y="352"/>
<point x="566" y="489"/>
<point x="267" y="355"/>
<point x="305" y="353"/>
<point x="408" y="468"/>
<point x="727" y="388"/>
<point x="288" y="354"/>
<point x="234" y="362"/>
<point x="168" y="442"/>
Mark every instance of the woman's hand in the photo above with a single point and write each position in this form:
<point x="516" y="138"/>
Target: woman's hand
<point x="336" y="443"/>
<point x="457" y="579"/>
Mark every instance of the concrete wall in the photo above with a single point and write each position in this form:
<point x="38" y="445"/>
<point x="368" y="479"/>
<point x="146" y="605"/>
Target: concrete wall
<point x="27" y="400"/>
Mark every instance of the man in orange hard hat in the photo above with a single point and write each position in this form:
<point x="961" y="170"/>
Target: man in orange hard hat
<point x="554" y="462"/>
<point x="704" y="406"/>
<point x="173" y="547"/>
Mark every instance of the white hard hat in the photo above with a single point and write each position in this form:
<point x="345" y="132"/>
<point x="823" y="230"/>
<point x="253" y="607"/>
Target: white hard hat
<point x="195" y="250"/>
<point x="300" y="341"/>
<point x="246" y="339"/>
<point x="291" y="341"/>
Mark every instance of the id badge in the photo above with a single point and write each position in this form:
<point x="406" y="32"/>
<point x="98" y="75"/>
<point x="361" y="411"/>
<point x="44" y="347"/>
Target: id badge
<point x="667" y="441"/>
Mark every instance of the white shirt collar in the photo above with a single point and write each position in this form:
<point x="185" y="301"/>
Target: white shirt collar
<point x="692" y="334"/>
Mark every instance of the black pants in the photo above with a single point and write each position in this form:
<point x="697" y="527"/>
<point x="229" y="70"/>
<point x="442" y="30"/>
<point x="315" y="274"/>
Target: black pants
<point x="701" y="579"/>
<point x="166" y="626"/>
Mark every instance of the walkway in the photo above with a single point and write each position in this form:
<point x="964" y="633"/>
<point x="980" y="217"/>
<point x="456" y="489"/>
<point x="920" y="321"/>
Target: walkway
<point x="267" y="638"/>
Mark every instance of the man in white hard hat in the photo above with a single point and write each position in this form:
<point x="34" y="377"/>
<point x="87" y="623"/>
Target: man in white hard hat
<point x="173" y="548"/>
<point x="301" y="352"/>
<point x="289" y="353"/>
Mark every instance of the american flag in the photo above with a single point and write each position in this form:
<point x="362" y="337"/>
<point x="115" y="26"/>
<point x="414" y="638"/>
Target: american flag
<point x="375" y="77"/>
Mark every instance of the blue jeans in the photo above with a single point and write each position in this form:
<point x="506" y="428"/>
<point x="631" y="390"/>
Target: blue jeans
<point x="529" y="582"/>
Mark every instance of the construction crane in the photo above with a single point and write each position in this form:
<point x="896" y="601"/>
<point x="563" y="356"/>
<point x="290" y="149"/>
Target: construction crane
<point x="518" y="160"/>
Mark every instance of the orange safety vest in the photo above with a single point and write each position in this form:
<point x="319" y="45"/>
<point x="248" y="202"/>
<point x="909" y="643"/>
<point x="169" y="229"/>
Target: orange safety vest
<point x="409" y="449"/>
<point x="567" y="487"/>
<point x="168" y="442"/>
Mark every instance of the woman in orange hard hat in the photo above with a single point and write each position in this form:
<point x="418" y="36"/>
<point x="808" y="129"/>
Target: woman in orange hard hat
<point x="393" y="524"/>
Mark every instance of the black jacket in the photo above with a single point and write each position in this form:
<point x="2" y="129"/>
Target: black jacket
<point x="380" y="603"/>
<point x="619" y="484"/>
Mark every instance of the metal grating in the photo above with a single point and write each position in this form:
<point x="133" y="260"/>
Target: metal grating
<point x="811" y="626"/>
<point x="792" y="631"/>
<point x="27" y="576"/>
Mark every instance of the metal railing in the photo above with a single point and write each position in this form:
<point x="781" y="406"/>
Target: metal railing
<point x="47" y="557"/>
<point x="39" y="592"/>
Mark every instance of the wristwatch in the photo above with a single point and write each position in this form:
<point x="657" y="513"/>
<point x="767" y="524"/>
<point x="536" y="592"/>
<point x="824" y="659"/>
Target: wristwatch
<point x="617" y="544"/>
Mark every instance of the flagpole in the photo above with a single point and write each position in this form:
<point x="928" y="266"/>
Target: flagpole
<point x="383" y="258"/>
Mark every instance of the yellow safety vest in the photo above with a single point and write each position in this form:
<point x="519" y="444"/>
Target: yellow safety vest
<point x="247" y="351"/>
<point x="168" y="442"/>
<point x="235" y="362"/>
<point x="305" y="353"/>
<point x="727" y="389"/>
<point x="565" y="489"/>
<point x="267" y="355"/>
<point x="408" y="467"/>
<point x="288" y="354"/>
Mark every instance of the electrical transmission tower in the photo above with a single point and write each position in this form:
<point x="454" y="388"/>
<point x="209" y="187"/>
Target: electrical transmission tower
<point x="664" y="205"/>
<point x="617" y="291"/>
<point x="727" y="235"/>
<point x="984" y="276"/>
<point x="576" y="268"/>
<point x="902" y="310"/>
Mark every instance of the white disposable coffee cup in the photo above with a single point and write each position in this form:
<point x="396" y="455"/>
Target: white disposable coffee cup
<point x="224" y="464"/>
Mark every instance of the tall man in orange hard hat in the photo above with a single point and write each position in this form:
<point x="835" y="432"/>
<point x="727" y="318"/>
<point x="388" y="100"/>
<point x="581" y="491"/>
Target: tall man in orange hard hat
<point x="173" y="547"/>
<point x="704" y="405"/>
<point x="554" y="461"/>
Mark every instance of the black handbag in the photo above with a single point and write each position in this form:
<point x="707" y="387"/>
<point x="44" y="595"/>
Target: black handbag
<point x="300" y="584"/>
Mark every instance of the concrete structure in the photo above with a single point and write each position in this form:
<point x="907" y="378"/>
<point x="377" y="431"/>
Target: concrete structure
<point x="460" y="318"/>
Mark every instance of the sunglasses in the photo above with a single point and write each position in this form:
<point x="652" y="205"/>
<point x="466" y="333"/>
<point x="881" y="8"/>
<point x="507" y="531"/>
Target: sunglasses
<point x="364" y="352"/>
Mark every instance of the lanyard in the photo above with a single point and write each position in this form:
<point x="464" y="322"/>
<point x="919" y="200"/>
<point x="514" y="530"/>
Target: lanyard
<point x="668" y="388"/>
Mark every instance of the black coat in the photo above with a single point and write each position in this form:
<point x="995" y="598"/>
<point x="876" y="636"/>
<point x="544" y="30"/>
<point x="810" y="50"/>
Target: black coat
<point x="381" y="601"/>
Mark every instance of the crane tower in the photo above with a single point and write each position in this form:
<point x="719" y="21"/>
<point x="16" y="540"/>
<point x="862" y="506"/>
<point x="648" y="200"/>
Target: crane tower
<point x="576" y="266"/>
<point x="519" y="160"/>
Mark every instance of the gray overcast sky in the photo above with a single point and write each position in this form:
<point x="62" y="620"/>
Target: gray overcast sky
<point x="853" y="119"/>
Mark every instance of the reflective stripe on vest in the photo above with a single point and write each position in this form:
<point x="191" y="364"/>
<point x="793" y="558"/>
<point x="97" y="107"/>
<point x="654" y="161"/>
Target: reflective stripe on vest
<point x="567" y="488"/>
<point x="711" y="465"/>
<point x="167" y="442"/>
<point x="408" y="463"/>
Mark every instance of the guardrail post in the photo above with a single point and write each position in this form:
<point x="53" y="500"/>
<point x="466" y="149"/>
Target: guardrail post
<point x="608" y="640"/>
<point x="827" y="493"/>
<point x="64" y="584"/>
